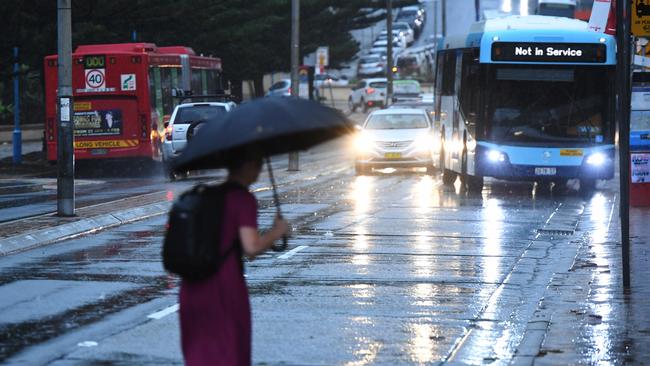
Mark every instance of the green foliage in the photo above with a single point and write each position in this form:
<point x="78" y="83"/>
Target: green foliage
<point x="251" y="36"/>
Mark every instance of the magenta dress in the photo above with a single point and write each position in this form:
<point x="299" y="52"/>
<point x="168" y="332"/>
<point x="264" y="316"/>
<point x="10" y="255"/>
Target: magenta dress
<point x="215" y="314"/>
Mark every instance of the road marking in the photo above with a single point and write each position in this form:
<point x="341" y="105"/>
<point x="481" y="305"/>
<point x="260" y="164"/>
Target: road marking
<point x="164" y="312"/>
<point x="87" y="344"/>
<point x="293" y="251"/>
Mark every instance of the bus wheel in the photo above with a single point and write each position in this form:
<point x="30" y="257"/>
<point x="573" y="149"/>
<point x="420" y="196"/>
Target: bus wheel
<point x="474" y="183"/>
<point x="448" y="177"/>
<point x="360" y="169"/>
<point x="587" y="186"/>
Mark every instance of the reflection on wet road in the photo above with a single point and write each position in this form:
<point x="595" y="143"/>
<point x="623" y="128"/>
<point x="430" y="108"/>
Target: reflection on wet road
<point x="395" y="268"/>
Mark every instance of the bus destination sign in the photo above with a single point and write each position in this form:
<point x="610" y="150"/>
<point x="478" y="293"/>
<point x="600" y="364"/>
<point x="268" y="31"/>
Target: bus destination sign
<point x="94" y="62"/>
<point x="549" y="52"/>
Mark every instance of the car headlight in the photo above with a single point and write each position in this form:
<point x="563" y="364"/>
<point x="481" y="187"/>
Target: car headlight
<point x="363" y="143"/>
<point x="596" y="159"/>
<point x="495" y="156"/>
<point x="424" y="143"/>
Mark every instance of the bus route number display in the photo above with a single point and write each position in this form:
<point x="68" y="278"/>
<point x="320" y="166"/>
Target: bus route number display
<point x="549" y="52"/>
<point x="94" y="62"/>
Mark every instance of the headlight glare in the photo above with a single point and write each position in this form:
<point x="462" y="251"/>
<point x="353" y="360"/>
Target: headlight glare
<point x="596" y="159"/>
<point x="496" y="156"/>
<point x="363" y="143"/>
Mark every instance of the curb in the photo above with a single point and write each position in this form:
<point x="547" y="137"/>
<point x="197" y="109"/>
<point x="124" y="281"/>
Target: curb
<point x="23" y="242"/>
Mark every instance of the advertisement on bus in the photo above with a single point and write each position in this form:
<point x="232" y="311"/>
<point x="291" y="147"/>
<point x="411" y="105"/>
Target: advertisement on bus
<point x="98" y="123"/>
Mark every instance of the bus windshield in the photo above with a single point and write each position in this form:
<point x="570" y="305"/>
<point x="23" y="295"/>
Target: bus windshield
<point x="549" y="105"/>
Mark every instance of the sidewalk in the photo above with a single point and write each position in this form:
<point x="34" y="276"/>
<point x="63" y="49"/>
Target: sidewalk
<point x="30" y="133"/>
<point x="585" y="316"/>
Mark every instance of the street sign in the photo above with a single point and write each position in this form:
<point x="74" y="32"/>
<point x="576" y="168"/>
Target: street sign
<point x="95" y="78"/>
<point x="641" y="18"/>
<point x="322" y="58"/>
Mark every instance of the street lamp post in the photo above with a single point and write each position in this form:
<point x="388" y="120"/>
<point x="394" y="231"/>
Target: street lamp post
<point x="295" y="82"/>
<point x="389" y="51"/>
<point x="65" y="149"/>
<point x="623" y="108"/>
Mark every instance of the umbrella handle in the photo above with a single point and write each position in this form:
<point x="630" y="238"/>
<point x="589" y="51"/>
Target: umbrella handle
<point x="283" y="246"/>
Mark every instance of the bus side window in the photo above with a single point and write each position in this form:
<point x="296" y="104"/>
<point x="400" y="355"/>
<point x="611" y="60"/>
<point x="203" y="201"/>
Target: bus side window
<point x="470" y="89"/>
<point x="197" y="85"/>
<point x="448" y="73"/>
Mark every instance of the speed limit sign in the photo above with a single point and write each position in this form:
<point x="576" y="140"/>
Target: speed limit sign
<point x="95" y="79"/>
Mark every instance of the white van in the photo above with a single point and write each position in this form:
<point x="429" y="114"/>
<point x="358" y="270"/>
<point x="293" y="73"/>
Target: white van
<point x="557" y="8"/>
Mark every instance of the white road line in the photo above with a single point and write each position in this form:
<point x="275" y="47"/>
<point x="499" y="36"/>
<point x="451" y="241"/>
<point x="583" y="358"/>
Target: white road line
<point x="164" y="312"/>
<point x="293" y="251"/>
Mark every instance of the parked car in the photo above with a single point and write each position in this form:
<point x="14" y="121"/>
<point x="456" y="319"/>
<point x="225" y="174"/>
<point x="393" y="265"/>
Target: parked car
<point x="406" y="90"/>
<point x="384" y="43"/>
<point x="368" y="93"/>
<point x="371" y="66"/>
<point x="409" y="32"/>
<point x="397" y="34"/>
<point x="321" y="80"/>
<point x="395" y="138"/>
<point x="411" y="65"/>
<point x="185" y="122"/>
<point x="282" y="88"/>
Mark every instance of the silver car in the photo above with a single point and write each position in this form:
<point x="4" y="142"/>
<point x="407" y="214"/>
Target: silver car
<point x="185" y="122"/>
<point x="371" y="66"/>
<point x="395" y="138"/>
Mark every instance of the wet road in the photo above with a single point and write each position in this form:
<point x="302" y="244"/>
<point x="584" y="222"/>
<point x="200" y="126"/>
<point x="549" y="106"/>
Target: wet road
<point x="390" y="268"/>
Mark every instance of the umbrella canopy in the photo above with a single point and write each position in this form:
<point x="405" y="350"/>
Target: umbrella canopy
<point x="275" y="125"/>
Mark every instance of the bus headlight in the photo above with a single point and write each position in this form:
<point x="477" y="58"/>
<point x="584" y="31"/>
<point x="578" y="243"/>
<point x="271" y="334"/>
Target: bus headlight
<point x="596" y="159"/>
<point x="363" y="143"/>
<point x="495" y="156"/>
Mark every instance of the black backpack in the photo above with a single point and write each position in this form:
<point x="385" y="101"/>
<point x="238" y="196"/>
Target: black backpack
<point x="193" y="239"/>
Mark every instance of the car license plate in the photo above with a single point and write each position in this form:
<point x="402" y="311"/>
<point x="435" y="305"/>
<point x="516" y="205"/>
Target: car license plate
<point x="393" y="155"/>
<point x="98" y="152"/>
<point x="545" y="171"/>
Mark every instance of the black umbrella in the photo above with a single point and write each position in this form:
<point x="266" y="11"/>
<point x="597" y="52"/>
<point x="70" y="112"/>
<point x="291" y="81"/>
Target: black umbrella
<point x="272" y="125"/>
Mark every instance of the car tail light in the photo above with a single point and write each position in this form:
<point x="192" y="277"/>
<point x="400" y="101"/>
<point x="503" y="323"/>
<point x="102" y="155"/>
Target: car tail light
<point x="370" y="90"/>
<point x="289" y="90"/>
<point x="380" y="65"/>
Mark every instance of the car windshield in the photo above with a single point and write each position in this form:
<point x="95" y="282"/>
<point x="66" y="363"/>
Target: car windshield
<point x="406" y="88"/>
<point x="545" y="105"/>
<point x="199" y="113"/>
<point x="401" y="26"/>
<point x="369" y="60"/>
<point x="396" y="121"/>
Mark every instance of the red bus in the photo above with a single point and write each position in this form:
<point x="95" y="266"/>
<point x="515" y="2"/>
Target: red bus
<point x="583" y="10"/>
<point x="123" y="95"/>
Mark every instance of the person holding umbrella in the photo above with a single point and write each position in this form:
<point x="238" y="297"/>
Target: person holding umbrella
<point x="215" y="313"/>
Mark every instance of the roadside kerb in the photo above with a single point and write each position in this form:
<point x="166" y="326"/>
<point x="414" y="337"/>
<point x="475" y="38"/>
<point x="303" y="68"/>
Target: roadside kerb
<point x="50" y="235"/>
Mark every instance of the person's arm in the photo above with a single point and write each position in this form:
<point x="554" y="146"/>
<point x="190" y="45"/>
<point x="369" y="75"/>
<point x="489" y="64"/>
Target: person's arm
<point x="253" y="243"/>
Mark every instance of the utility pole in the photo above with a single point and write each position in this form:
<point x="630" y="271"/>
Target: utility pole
<point x="389" y="52"/>
<point x="17" y="135"/>
<point x="624" y="89"/>
<point x="444" y="18"/>
<point x="435" y="22"/>
<point x="65" y="149"/>
<point x="295" y="82"/>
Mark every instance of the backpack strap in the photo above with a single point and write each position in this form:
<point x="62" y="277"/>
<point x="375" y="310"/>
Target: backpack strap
<point x="236" y="245"/>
